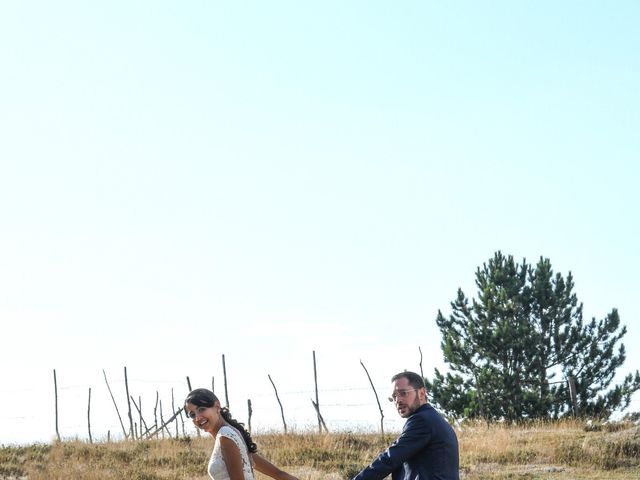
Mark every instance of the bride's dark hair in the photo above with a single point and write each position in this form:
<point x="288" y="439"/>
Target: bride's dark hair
<point x="201" y="397"/>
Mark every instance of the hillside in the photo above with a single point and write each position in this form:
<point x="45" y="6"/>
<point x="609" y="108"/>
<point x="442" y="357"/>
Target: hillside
<point x="539" y="451"/>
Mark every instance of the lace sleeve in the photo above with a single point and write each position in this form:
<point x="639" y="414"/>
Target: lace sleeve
<point x="232" y="434"/>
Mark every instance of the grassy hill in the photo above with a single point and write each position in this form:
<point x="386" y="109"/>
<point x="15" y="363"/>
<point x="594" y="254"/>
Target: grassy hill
<point x="559" y="450"/>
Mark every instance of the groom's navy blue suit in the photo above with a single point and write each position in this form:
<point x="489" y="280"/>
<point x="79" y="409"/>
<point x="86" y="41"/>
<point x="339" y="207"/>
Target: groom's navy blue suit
<point x="427" y="449"/>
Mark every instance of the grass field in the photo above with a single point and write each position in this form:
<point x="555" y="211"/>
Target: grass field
<point x="559" y="450"/>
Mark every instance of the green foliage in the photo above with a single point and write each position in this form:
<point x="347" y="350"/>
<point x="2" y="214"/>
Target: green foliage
<point x="511" y="351"/>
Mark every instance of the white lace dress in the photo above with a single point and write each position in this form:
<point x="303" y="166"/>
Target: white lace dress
<point x="217" y="468"/>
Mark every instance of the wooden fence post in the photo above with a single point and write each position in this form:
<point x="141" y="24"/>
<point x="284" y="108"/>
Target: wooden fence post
<point x="572" y="394"/>
<point x="124" y="431"/>
<point x="163" y="424"/>
<point x="224" y="373"/>
<point x="279" y="403"/>
<point x="316" y="404"/>
<point x="142" y="421"/>
<point x="377" y="400"/>
<point x="140" y="413"/>
<point x="173" y="408"/>
<point x="164" y="427"/>
<point x="155" y="410"/>
<point x="89" y="416"/>
<point x="126" y="387"/>
<point x="55" y="390"/>
<point x="249" y="412"/>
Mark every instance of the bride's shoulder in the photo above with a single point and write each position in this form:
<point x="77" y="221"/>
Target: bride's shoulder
<point x="228" y="431"/>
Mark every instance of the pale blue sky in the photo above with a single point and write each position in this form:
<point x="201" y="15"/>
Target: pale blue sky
<point x="261" y="179"/>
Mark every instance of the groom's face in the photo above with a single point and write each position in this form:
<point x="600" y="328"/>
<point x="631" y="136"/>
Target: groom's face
<point x="407" y="398"/>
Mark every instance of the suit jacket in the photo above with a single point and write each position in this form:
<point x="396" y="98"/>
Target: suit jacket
<point x="427" y="449"/>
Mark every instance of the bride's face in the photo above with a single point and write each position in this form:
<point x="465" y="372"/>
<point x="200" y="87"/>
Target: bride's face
<point x="205" y="418"/>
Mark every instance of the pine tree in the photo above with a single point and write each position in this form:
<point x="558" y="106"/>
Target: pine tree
<point x="595" y="367"/>
<point x="512" y="351"/>
<point x="556" y="318"/>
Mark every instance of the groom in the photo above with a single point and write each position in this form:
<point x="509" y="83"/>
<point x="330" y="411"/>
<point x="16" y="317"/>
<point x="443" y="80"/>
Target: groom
<point x="427" y="448"/>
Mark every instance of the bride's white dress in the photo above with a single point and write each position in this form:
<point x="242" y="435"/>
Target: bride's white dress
<point x="217" y="468"/>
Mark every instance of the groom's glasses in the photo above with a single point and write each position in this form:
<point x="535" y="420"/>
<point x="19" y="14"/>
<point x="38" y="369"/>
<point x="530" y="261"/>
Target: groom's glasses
<point x="401" y="394"/>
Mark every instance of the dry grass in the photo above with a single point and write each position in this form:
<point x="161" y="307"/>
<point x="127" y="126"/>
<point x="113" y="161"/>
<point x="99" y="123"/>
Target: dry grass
<point x="550" y="450"/>
<point x="559" y="450"/>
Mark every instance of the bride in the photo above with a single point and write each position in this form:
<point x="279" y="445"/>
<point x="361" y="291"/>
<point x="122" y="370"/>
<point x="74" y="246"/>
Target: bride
<point x="234" y="453"/>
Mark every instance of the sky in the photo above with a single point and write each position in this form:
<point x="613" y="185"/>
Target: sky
<point x="265" y="180"/>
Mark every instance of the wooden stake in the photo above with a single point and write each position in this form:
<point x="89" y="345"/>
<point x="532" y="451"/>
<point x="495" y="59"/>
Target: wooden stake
<point x="377" y="399"/>
<point x="124" y="431"/>
<point x="139" y="409"/>
<point x="89" y="416"/>
<point x="572" y="394"/>
<point x="173" y="408"/>
<point x="55" y="389"/>
<point x="163" y="427"/>
<point x="155" y="410"/>
<point x="250" y="412"/>
<point x="421" y="372"/>
<point x="163" y="424"/>
<point x="224" y="373"/>
<point x="315" y="405"/>
<point x="279" y="403"/>
<point x="140" y="413"/>
<point x="317" y="402"/>
<point x="126" y="386"/>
